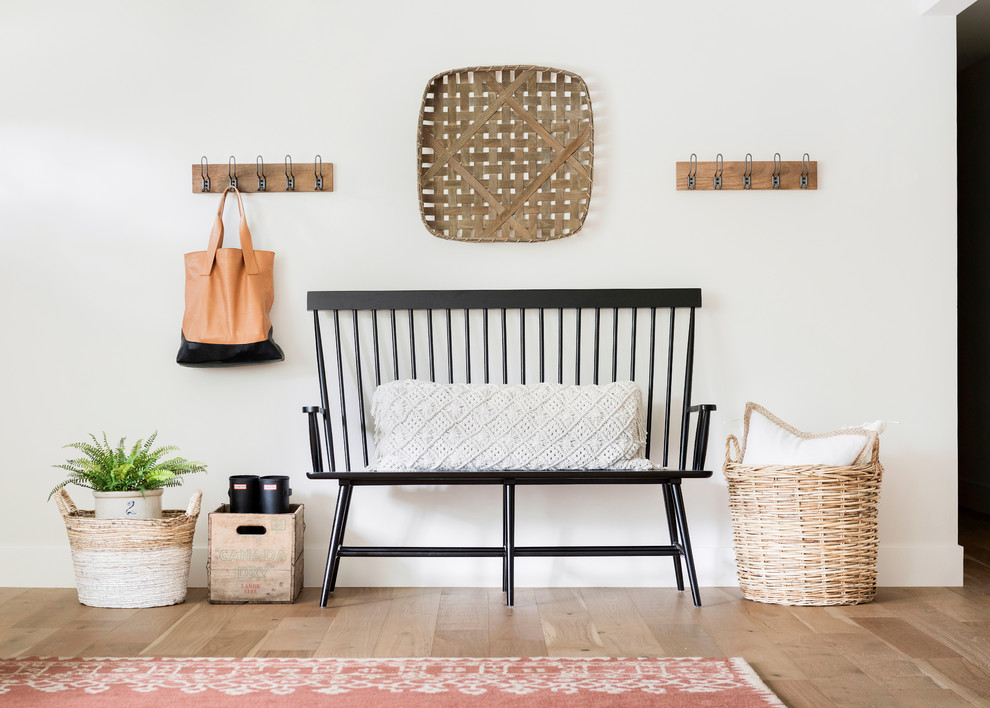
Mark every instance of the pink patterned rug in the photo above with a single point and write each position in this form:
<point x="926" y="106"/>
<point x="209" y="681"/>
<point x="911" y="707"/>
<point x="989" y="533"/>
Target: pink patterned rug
<point x="397" y="683"/>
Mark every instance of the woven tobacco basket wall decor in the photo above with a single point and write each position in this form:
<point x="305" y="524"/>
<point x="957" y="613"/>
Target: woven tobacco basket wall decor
<point x="505" y="154"/>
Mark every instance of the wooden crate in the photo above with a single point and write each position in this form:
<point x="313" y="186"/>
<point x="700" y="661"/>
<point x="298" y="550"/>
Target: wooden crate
<point x="255" y="557"/>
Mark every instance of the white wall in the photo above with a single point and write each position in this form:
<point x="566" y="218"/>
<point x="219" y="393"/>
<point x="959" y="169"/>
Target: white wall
<point x="830" y="307"/>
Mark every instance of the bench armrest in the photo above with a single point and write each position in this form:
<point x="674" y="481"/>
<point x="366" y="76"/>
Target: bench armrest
<point x="704" y="411"/>
<point x="315" y="451"/>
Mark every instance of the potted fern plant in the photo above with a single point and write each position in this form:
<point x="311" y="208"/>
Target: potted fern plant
<point x="126" y="482"/>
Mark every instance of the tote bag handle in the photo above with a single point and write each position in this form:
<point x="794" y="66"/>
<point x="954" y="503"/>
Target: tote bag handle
<point x="216" y="238"/>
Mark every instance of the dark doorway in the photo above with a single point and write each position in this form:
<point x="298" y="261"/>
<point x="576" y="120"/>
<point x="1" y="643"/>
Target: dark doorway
<point x="973" y="153"/>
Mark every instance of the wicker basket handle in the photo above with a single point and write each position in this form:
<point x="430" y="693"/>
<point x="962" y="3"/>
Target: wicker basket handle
<point x="732" y="451"/>
<point x="64" y="502"/>
<point x="875" y="456"/>
<point x="194" y="503"/>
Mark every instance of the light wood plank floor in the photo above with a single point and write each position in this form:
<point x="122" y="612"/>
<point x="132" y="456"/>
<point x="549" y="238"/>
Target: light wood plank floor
<point x="910" y="647"/>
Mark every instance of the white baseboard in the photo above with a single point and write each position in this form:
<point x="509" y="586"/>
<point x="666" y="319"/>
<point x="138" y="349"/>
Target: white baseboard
<point x="899" y="566"/>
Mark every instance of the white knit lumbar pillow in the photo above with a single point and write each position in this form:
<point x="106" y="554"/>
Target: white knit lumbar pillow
<point x="769" y="441"/>
<point x="427" y="426"/>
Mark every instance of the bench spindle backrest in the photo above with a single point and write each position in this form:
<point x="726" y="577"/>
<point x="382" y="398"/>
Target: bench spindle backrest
<point x="357" y="316"/>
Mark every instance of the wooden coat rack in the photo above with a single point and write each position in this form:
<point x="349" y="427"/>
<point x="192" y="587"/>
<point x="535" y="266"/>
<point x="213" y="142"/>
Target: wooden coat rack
<point x="790" y="175"/>
<point x="262" y="177"/>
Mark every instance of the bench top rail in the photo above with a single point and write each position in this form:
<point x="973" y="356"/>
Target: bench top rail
<point x="478" y="299"/>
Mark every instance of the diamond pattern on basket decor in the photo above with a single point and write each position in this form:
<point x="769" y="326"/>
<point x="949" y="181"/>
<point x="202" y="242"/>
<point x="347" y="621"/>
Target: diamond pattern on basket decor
<point x="505" y="154"/>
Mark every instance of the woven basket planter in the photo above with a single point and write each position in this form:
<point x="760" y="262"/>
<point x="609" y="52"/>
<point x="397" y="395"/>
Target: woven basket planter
<point x="130" y="562"/>
<point x="804" y="535"/>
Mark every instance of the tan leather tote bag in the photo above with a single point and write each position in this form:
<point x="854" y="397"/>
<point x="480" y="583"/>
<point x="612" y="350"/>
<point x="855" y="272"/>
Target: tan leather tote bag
<point x="229" y="294"/>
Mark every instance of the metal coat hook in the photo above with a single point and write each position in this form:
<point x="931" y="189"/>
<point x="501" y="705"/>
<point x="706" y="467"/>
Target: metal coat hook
<point x="259" y="169"/>
<point x="749" y="174"/>
<point x="313" y="176"/>
<point x="290" y="180"/>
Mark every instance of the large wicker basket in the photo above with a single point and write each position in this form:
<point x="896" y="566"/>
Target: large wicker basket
<point x="804" y="535"/>
<point x="130" y="562"/>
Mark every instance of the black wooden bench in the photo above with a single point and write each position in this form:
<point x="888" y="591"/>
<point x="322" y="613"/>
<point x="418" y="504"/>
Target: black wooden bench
<point x="510" y="336"/>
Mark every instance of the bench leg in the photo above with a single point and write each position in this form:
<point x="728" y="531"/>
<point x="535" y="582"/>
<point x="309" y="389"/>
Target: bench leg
<point x="505" y="539"/>
<point x="508" y="549"/>
<point x="336" y="537"/>
<point x="675" y="491"/>
<point x="340" y="541"/>
<point x="668" y="502"/>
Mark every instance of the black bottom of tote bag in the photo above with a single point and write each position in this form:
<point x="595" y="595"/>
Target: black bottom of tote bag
<point x="200" y="354"/>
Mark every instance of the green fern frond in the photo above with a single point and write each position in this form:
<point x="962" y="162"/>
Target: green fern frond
<point x="162" y="451"/>
<point x="150" y="441"/>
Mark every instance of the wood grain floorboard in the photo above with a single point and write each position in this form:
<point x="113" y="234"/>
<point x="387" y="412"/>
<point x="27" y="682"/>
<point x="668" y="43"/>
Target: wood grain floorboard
<point x="725" y="612"/>
<point x="567" y="625"/>
<point x="463" y="609"/>
<point x="515" y="631"/>
<point x="358" y="622"/>
<point x="775" y="619"/>
<point x="192" y="632"/>
<point x="410" y="624"/>
<point x="964" y="677"/>
<point x="131" y="637"/>
<point x="670" y="606"/>
<point x="300" y="634"/>
<point x="906" y="638"/>
<point x="685" y="640"/>
<point x="822" y="622"/>
<point x="286" y="654"/>
<point x="852" y="688"/>
<point x="234" y="642"/>
<point x="461" y="642"/>
<point x="263" y="618"/>
<point x="961" y="604"/>
<point x="38" y="606"/>
<point x="815" y="659"/>
<point x="621" y="629"/>
<point x="306" y="605"/>
<point x="462" y="623"/>
<point x="979" y="555"/>
<point x="800" y="693"/>
<point x="764" y="653"/>
<point x="72" y="639"/>
<point x="965" y="638"/>
<point x="929" y="698"/>
<point x="18" y="642"/>
<point x="9" y="593"/>
<point x="896" y="673"/>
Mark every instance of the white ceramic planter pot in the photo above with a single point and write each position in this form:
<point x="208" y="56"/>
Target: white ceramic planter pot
<point x="129" y="505"/>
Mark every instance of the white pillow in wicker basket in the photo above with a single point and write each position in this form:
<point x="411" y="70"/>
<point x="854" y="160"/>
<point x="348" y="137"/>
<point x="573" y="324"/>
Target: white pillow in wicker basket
<point x="426" y="426"/>
<point x="770" y="441"/>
